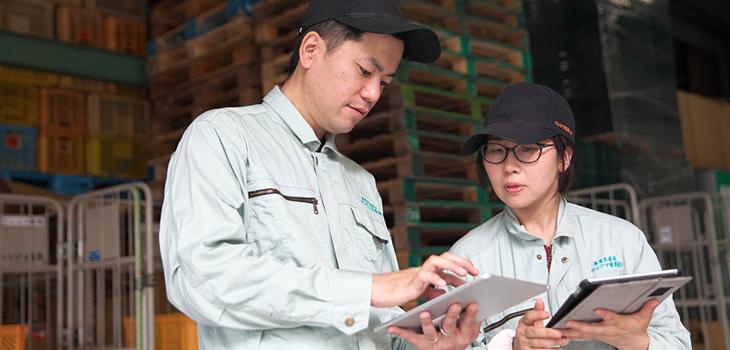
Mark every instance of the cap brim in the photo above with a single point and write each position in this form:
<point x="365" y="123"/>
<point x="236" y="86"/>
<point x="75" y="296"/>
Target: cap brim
<point x="424" y="45"/>
<point x="520" y="134"/>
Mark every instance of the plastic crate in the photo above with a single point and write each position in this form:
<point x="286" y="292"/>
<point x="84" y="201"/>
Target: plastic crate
<point x="135" y="9"/>
<point x="79" y="26"/>
<point x="18" y="104"/>
<point x="60" y="151"/>
<point x="116" y="156"/>
<point x="18" y="147"/>
<point x="62" y="108"/>
<point x="114" y="115"/>
<point x="127" y="90"/>
<point x="81" y="84"/>
<point x="29" y="17"/>
<point x="172" y="332"/>
<point x="27" y="76"/>
<point x="12" y="337"/>
<point x="126" y="35"/>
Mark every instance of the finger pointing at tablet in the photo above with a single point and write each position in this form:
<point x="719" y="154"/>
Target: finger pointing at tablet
<point x="399" y="287"/>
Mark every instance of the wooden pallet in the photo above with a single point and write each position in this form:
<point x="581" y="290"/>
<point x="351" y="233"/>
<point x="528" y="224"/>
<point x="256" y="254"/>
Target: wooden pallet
<point x="453" y="214"/>
<point x="466" y="46"/>
<point x="433" y="100"/>
<point x="169" y="14"/>
<point x="422" y="164"/>
<point x="173" y="113"/>
<point x="465" y="23"/>
<point x="277" y="26"/>
<point x="401" y="190"/>
<point x="482" y="67"/>
<point x="277" y="18"/>
<point x="407" y="238"/>
<point x="232" y="42"/>
<point x="449" y="80"/>
<point x="401" y="144"/>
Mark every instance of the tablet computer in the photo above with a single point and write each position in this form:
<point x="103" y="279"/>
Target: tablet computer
<point x="492" y="293"/>
<point x="624" y="294"/>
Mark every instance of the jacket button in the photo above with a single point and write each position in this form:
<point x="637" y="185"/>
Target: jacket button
<point x="349" y="321"/>
<point x="564" y="260"/>
<point x="539" y="257"/>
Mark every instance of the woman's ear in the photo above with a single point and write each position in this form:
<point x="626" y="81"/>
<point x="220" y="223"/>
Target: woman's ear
<point x="311" y="44"/>
<point x="567" y="158"/>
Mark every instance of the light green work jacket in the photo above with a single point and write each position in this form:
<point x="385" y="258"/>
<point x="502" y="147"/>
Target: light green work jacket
<point x="269" y="238"/>
<point x="587" y="244"/>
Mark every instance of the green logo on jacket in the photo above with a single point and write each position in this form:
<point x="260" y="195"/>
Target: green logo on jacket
<point x="373" y="208"/>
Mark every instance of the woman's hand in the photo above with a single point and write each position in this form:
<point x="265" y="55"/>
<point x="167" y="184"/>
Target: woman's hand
<point x="532" y="334"/>
<point x="450" y="336"/>
<point x="625" y="332"/>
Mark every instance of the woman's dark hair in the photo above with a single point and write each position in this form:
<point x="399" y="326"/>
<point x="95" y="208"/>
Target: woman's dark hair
<point x="334" y="34"/>
<point x="566" y="179"/>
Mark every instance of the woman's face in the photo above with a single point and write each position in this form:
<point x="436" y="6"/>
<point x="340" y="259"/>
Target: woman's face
<point x="525" y="186"/>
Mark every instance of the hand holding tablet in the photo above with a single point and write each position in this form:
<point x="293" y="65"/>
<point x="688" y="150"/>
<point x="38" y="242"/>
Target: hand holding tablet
<point x="492" y="293"/>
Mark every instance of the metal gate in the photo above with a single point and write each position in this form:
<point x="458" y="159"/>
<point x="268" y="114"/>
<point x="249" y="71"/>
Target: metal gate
<point x="30" y="231"/>
<point x="110" y="269"/>
<point x="616" y="199"/>
<point x="689" y="231"/>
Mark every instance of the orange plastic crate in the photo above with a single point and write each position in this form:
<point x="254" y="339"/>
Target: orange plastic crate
<point x="127" y="90"/>
<point x="172" y="332"/>
<point x="108" y="154"/>
<point x="114" y="115"/>
<point x="29" y="17"/>
<point x="18" y="104"/>
<point x="62" y="108"/>
<point x="126" y="35"/>
<point x="79" y="25"/>
<point x="60" y="151"/>
<point x="13" y="337"/>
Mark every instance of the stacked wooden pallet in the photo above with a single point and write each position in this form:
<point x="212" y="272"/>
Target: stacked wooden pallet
<point x="412" y="139"/>
<point x="203" y="56"/>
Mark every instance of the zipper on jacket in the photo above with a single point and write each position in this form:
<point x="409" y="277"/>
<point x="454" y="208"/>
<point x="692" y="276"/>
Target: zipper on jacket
<point x="313" y="201"/>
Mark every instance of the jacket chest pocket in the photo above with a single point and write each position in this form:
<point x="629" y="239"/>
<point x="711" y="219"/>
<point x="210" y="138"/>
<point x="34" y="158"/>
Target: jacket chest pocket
<point x="283" y="222"/>
<point x="365" y="239"/>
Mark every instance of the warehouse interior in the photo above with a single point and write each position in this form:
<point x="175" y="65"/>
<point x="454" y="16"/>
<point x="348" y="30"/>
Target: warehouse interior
<point x="96" y="94"/>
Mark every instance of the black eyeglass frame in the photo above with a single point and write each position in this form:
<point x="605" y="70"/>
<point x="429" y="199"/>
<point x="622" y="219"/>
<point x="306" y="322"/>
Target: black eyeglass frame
<point x="542" y="146"/>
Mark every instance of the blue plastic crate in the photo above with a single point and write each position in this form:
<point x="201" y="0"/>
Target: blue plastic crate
<point x="17" y="151"/>
<point x="67" y="184"/>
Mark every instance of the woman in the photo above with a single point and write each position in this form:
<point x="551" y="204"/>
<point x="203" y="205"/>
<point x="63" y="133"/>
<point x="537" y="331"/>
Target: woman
<point x="527" y="156"/>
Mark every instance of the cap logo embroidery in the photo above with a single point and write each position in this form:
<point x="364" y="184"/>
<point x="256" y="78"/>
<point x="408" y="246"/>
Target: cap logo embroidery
<point x="562" y="126"/>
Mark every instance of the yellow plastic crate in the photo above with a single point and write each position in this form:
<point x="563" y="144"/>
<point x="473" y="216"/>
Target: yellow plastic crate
<point x="83" y="84"/>
<point x="107" y="154"/>
<point x="114" y="115"/>
<point x="27" y="76"/>
<point x="172" y="332"/>
<point x="18" y="104"/>
<point x="13" y="337"/>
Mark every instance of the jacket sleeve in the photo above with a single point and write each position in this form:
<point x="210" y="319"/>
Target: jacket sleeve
<point x="213" y="275"/>
<point x="665" y="329"/>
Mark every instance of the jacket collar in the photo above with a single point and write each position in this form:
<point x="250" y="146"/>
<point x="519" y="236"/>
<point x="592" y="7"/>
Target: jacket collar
<point x="294" y="121"/>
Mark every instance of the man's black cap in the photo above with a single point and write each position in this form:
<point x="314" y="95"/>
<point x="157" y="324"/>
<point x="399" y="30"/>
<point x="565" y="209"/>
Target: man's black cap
<point x="525" y="113"/>
<point x="376" y="16"/>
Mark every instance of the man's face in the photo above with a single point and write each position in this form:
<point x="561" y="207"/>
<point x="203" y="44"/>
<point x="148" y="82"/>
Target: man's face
<point x="346" y="83"/>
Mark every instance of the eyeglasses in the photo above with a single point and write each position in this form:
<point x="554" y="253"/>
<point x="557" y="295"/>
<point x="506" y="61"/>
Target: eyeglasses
<point x="495" y="153"/>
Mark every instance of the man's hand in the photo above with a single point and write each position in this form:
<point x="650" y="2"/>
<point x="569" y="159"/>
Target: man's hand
<point x="625" y="332"/>
<point x="400" y="287"/>
<point x="450" y="336"/>
<point x="532" y="334"/>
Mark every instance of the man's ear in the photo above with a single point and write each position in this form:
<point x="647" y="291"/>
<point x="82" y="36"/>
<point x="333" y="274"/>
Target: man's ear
<point x="312" y="44"/>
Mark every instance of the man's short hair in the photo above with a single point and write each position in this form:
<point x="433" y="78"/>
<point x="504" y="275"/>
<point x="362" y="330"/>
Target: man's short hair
<point x="334" y="34"/>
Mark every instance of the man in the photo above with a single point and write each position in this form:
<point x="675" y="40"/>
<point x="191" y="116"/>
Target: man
<point x="270" y="238"/>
